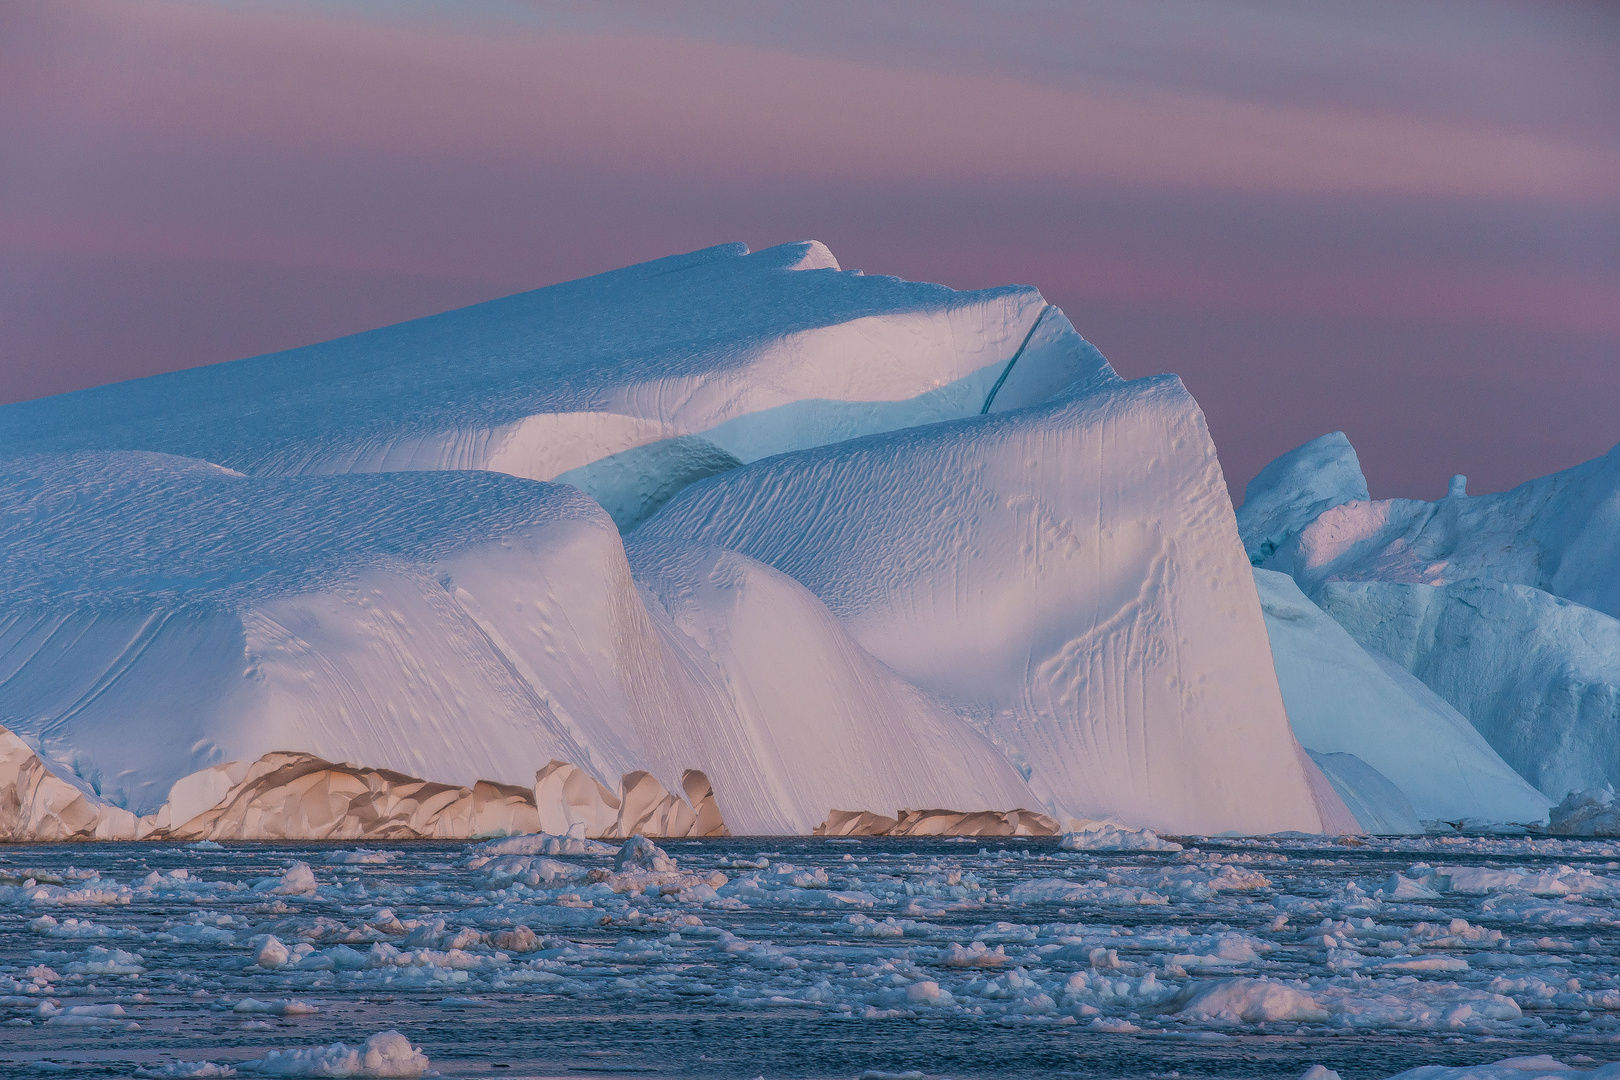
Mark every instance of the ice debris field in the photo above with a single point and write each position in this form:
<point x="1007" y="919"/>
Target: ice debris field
<point x="1121" y="955"/>
<point x="744" y="544"/>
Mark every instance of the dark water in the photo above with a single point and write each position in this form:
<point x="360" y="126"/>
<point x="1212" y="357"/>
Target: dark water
<point x="779" y="981"/>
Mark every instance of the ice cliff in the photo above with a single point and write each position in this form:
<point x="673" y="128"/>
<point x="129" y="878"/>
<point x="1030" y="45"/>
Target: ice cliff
<point x="1066" y="576"/>
<point x="1348" y="703"/>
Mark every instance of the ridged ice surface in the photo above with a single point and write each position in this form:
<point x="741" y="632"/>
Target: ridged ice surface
<point x="741" y="958"/>
<point x="1067" y="575"/>
<point x="1559" y="534"/>
<point x="1538" y="675"/>
<point x="1503" y="604"/>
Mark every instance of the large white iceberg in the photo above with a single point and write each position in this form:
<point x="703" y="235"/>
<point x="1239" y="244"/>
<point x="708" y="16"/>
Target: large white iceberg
<point x="983" y="583"/>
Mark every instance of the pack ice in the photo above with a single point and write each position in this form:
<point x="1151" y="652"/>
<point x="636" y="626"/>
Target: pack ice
<point x="896" y="553"/>
<point x="1504" y="607"/>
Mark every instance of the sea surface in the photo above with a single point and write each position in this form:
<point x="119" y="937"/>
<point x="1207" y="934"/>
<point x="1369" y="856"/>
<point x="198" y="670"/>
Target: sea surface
<point x="747" y="957"/>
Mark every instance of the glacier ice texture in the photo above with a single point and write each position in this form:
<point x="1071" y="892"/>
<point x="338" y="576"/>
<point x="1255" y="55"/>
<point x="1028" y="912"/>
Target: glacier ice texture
<point x="1067" y="576"/>
<point x="1345" y="701"/>
<point x="1504" y="605"/>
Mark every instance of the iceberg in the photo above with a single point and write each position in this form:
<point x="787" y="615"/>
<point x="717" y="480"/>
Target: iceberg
<point x="725" y="542"/>
<point x="1344" y="701"/>
<point x="1504" y="605"/>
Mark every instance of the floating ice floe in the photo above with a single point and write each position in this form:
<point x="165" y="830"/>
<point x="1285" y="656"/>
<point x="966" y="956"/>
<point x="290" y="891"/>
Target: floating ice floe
<point x="1111" y="836"/>
<point x="1593" y="812"/>
<point x="386" y="1054"/>
<point x="1491" y="938"/>
<point x="1529" y="1067"/>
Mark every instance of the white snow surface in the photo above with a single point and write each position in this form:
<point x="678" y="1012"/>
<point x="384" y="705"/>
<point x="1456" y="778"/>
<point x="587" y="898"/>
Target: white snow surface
<point x="1343" y="700"/>
<point x="798" y="689"/>
<point x="1067" y="575"/>
<point x="628" y="384"/>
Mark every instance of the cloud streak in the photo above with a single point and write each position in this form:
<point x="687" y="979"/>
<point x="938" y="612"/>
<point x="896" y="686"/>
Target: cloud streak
<point x="166" y="75"/>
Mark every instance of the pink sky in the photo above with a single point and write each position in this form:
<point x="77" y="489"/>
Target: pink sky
<point x="1402" y="221"/>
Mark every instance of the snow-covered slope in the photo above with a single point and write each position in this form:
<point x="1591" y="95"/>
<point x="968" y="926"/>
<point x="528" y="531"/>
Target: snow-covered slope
<point x="1343" y="700"/>
<point x="160" y="614"/>
<point x="811" y="721"/>
<point x="1538" y="675"/>
<point x="1067" y="575"/>
<point x="628" y="385"/>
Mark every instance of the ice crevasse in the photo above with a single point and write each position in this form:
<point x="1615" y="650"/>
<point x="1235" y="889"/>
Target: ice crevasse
<point x="820" y="542"/>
